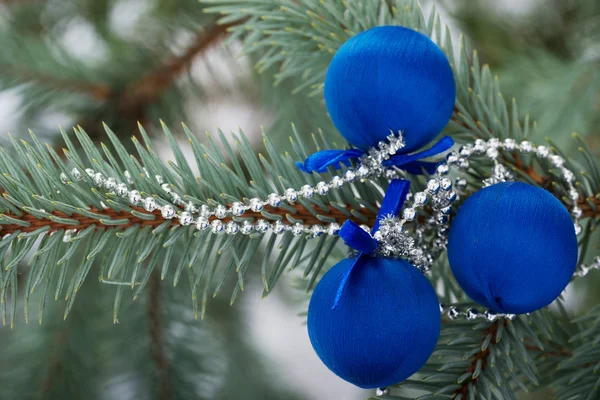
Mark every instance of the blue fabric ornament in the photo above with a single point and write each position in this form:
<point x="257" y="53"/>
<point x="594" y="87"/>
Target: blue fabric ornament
<point x="389" y="78"/>
<point x="374" y="321"/>
<point x="513" y="247"/>
<point x="385" y="326"/>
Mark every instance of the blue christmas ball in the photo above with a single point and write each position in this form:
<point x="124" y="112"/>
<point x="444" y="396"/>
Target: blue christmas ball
<point x="389" y="78"/>
<point x="513" y="247"/>
<point x="385" y="326"/>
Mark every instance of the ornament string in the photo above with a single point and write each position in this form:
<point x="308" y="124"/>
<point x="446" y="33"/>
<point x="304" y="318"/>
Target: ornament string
<point x="322" y="160"/>
<point x="358" y="239"/>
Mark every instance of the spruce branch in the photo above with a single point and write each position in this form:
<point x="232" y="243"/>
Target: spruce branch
<point x="43" y="198"/>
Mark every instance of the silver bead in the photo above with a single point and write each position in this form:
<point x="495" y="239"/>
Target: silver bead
<point x="307" y="191"/>
<point x="573" y="194"/>
<point x="442" y="308"/>
<point x="472" y="314"/>
<point x="231" y="228"/>
<point x="350" y="176"/>
<point x="461" y="183"/>
<point x="465" y="151"/>
<point x="362" y="171"/>
<point x="202" y="223"/>
<point x="577" y="212"/>
<point x="490" y="316"/>
<point x="247" y="228"/>
<point x="420" y="199"/>
<point x="390" y="174"/>
<point x="333" y="229"/>
<point x="90" y="172"/>
<point x="256" y="205"/>
<point x="110" y="184"/>
<point x="205" y="211"/>
<point x="291" y="195"/>
<point x="337" y="182"/>
<point x="121" y="190"/>
<point x="543" y="151"/>
<point x="480" y="146"/>
<point x="365" y="228"/>
<point x="433" y="186"/>
<point x="492" y="153"/>
<point x="452" y="158"/>
<point x="278" y="227"/>
<point x="453" y="312"/>
<point x="63" y="178"/>
<point x="557" y="160"/>
<point x="526" y="147"/>
<point x="463" y="163"/>
<point x="76" y="174"/>
<point x="135" y="197"/>
<point x="216" y="226"/>
<point x="445" y="184"/>
<point x="494" y="143"/>
<point x="382" y="392"/>
<point x="98" y="179"/>
<point x="262" y="226"/>
<point x="159" y="179"/>
<point x="451" y="196"/>
<point x="274" y="200"/>
<point x="237" y="208"/>
<point x="297" y="229"/>
<point x="150" y="204"/>
<point x="322" y="188"/>
<point x="220" y="211"/>
<point x="578" y="228"/>
<point x="510" y="144"/>
<point x="167" y="211"/>
<point x="568" y="175"/>
<point x="409" y="214"/>
<point x="442" y="169"/>
<point x="316" y="230"/>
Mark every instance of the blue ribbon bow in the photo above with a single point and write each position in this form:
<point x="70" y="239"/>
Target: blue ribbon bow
<point x="355" y="237"/>
<point x="321" y="160"/>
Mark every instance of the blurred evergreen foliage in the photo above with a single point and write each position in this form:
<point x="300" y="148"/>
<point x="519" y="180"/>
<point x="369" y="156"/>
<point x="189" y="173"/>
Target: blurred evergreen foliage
<point x="85" y="62"/>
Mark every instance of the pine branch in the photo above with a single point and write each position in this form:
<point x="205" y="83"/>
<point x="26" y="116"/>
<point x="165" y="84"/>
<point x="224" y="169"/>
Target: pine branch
<point x="31" y="223"/>
<point x="481" y="359"/>
<point x="150" y="86"/>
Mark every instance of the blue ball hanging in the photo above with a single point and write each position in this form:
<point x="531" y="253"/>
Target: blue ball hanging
<point x="389" y="78"/>
<point x="513" y="247"/>
<point x="386" y="324"/>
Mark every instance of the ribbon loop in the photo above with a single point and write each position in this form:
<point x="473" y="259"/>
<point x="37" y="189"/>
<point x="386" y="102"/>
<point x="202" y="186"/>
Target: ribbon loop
<point x="321" y="160"/>
<point x="355" y="237"/>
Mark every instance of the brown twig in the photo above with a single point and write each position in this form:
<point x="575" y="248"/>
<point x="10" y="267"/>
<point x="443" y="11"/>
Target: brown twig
<point x="150" y="86"/>
<point x="156" y="338"/>
<point x="84" y="222"/>
<point x="483" y="355"/>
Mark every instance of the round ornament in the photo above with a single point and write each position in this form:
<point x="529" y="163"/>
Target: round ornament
<point x="385" y="326"/>
<point x="389" y="78"/>
<point x="513" y="247"/>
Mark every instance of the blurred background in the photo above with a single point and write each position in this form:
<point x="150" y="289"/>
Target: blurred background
<point x="84" y="62"/>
